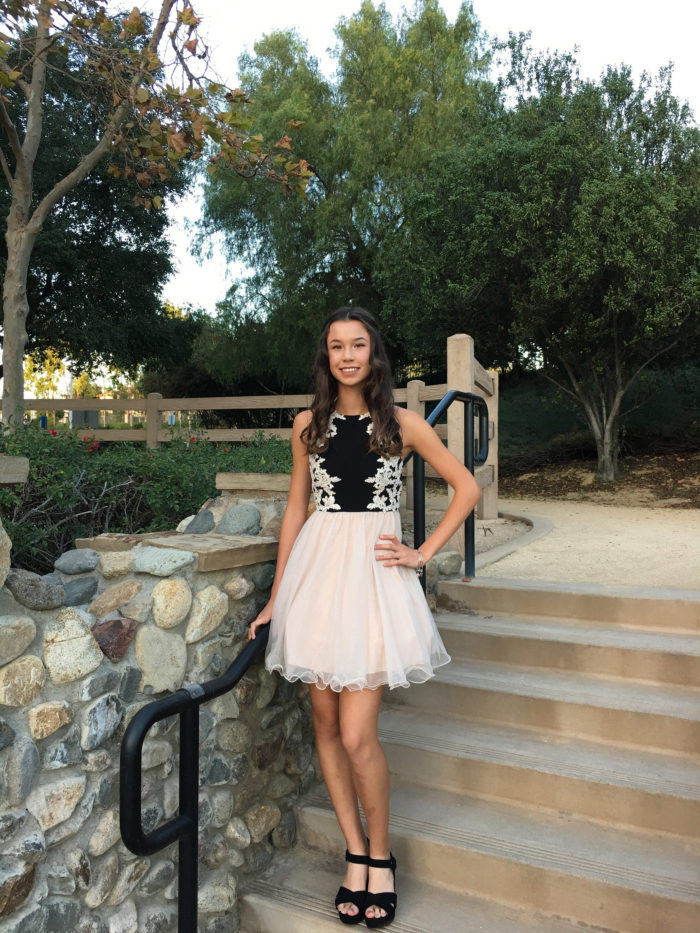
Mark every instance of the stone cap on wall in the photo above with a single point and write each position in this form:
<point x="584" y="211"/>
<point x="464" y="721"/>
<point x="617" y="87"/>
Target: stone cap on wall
<point x="13" y="470"/>
<point x="255" y="485"/>
<point x="214" y="551"/>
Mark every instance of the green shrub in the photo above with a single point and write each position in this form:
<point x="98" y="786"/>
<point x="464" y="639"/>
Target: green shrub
<point x="538" y="423"/>
<point x="80" y="488"/>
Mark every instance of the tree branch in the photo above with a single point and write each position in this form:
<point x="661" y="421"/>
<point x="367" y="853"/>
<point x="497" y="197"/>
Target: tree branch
<point x="6" y="171"/>
<point x="20" y="82"/>
<point x="35" y="109"/>
<point x="650" y="360"/>
<point x="89" y="161"/>
<point x="560" y="385"/>
<point x="11" y="131"/>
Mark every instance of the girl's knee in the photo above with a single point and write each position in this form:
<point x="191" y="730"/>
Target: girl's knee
<point x="326" y="729"/>
<point x="360" y="746"/>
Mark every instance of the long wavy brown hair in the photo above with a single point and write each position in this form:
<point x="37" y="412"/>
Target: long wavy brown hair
<point x="385" y="438"/>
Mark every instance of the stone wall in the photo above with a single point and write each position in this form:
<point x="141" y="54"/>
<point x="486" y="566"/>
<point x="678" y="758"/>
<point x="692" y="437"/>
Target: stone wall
<point x="119" y="622"/>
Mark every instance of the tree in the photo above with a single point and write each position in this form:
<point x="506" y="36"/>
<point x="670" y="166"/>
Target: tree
<point x="369" y="136"/>
<point x="152" y="114"/>
<point x="43" y="374"/>
<point x="567" y="231"/>
<point x="100" y="261"/>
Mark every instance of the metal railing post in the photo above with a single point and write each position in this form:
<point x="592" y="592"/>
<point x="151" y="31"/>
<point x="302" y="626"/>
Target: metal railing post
<point x="469" y="522"/>
<point x="184" y="827"/>
<point x="188" y="862"/>
<point x="471" y="458"/>
<point x="419" y="507"/>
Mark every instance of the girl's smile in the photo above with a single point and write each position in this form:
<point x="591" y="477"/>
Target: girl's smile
<point x="349" y="352"/>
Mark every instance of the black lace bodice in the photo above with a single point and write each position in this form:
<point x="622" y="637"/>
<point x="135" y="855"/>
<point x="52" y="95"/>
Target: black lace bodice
<point x="347" y="476"/>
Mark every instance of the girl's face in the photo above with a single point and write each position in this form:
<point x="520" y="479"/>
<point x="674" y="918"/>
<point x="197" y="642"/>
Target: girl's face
<point x="349" y="347"/>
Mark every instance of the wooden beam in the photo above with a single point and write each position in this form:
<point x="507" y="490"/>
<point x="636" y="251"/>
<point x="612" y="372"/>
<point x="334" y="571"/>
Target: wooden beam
<point x="482" y="378"/>
<point x="270" y="482"/>
<point x="84" y="404"/>
<point x="235" y="402"/>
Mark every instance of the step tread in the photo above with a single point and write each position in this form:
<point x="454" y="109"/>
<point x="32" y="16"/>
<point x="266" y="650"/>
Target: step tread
<point x="302" y="885"/>
<point x="573" y="687"/>
<point x="645" y="862"/>
<point x="545" y="752"/>
<point x="651" y="595"/>
<point x="571" y="631"/>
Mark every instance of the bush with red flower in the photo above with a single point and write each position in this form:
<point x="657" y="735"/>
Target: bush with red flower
<point x="79" y="487"/>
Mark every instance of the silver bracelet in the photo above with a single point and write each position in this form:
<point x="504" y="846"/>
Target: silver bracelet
<point x="421" y="563"/>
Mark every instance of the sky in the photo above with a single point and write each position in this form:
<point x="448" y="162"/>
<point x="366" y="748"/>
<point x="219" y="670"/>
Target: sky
<point x="643" y="34"/>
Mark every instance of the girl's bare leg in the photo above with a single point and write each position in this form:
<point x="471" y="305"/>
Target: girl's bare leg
<point x="337" y="773"/>
<point x="359" y="711"/>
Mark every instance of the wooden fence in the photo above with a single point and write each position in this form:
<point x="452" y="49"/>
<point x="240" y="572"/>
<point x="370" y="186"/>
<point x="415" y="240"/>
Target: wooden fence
<point x="463" y="372"/>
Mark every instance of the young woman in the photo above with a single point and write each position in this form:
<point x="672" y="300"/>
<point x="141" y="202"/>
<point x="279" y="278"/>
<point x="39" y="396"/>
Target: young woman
<point x="346" y="606"/>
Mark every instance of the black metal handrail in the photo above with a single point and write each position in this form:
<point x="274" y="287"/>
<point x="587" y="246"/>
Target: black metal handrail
<point x="182" y="828"/>
<point x="471" y="458"/>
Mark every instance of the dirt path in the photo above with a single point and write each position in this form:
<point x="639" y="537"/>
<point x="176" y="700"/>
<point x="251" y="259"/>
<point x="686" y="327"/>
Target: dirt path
<point x="612" y="545"/>
<point x="644" y="531"/>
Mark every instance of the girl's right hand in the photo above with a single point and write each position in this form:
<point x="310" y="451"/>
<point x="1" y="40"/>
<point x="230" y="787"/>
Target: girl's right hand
<point x="262" y="618"/>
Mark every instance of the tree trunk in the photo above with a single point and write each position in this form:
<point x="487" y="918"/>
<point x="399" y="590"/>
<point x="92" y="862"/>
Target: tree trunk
<point x="608" y="446"/>
<point x="20" y="242"/>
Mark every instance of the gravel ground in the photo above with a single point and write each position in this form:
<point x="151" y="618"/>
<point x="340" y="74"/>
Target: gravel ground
<point x="590" y="543"/>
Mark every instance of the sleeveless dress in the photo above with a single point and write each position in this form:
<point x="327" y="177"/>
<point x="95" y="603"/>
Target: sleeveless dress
<point x="342" y="619"/>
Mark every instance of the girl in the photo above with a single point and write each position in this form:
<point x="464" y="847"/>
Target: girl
<point x="346" y="605"/>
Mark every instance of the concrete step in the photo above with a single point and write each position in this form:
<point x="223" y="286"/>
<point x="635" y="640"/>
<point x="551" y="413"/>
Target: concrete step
<point x="295" y="895"/>
<point x="638" y="606"/>
<point x="538" y="861"/>
<point x="658" y="656"/>
<point x="598" y="708"/>
<point x="646" y="790"/>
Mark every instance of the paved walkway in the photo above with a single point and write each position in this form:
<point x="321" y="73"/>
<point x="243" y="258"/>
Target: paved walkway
<point x="584" y="542"/>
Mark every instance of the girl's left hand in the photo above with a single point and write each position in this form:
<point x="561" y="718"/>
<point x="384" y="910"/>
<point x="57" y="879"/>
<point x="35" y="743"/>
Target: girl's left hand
<point x="393" y="553"/>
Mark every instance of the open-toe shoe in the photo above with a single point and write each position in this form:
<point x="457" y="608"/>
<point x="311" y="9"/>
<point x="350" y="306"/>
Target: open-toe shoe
<point x="385" y="900"/>
<point x="346" y="896"/>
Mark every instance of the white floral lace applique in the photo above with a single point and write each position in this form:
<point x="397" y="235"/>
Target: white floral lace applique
<point x="332" y="426"/>
<point x="387" y="485"/>
<point x="322" y="483"/>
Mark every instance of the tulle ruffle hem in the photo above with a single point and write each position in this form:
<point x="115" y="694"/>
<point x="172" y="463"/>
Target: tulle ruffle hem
<point x="343" y="620"/>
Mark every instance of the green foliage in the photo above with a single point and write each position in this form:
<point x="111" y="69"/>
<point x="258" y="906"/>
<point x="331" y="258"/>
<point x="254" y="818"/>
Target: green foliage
<point x="100" y="261"/>
<point x="79" y="488"/>
<point x="564" y="235"/>
<point x="369" y="135"/>
<point x="538" y="423"/>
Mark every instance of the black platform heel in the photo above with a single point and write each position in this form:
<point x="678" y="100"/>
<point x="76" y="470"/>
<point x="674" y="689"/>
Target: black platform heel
<point x="386" y="900"/>
<point x="346" y="896"/>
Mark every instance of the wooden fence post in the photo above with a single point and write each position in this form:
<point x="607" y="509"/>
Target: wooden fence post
<point x="413" y="403"/>
<point x="460" y="375"/>
<point x="152" y="419"/>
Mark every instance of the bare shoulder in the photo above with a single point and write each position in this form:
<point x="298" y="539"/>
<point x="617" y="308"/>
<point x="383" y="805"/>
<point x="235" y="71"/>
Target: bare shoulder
<point x="301" y="420"/>
<point x="411" y="424"/>
<point x="407" y="416"/>
<point x="412" y="427"/>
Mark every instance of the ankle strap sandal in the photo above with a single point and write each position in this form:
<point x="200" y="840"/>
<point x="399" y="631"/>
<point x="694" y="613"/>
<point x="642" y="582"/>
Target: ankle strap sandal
<point x="346" y="896"/>
<point x="386" y="900"/>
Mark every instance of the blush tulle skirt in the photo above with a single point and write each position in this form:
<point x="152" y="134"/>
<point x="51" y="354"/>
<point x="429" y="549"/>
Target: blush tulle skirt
<point x="343" y="620"/>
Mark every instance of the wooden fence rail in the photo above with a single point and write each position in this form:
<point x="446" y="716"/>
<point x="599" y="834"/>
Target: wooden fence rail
<point x="463" y="372"/>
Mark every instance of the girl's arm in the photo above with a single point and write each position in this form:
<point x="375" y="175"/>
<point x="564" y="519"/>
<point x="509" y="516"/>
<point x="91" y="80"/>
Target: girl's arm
<point x="419" y="436"/>
<point x="294" y="514"/>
